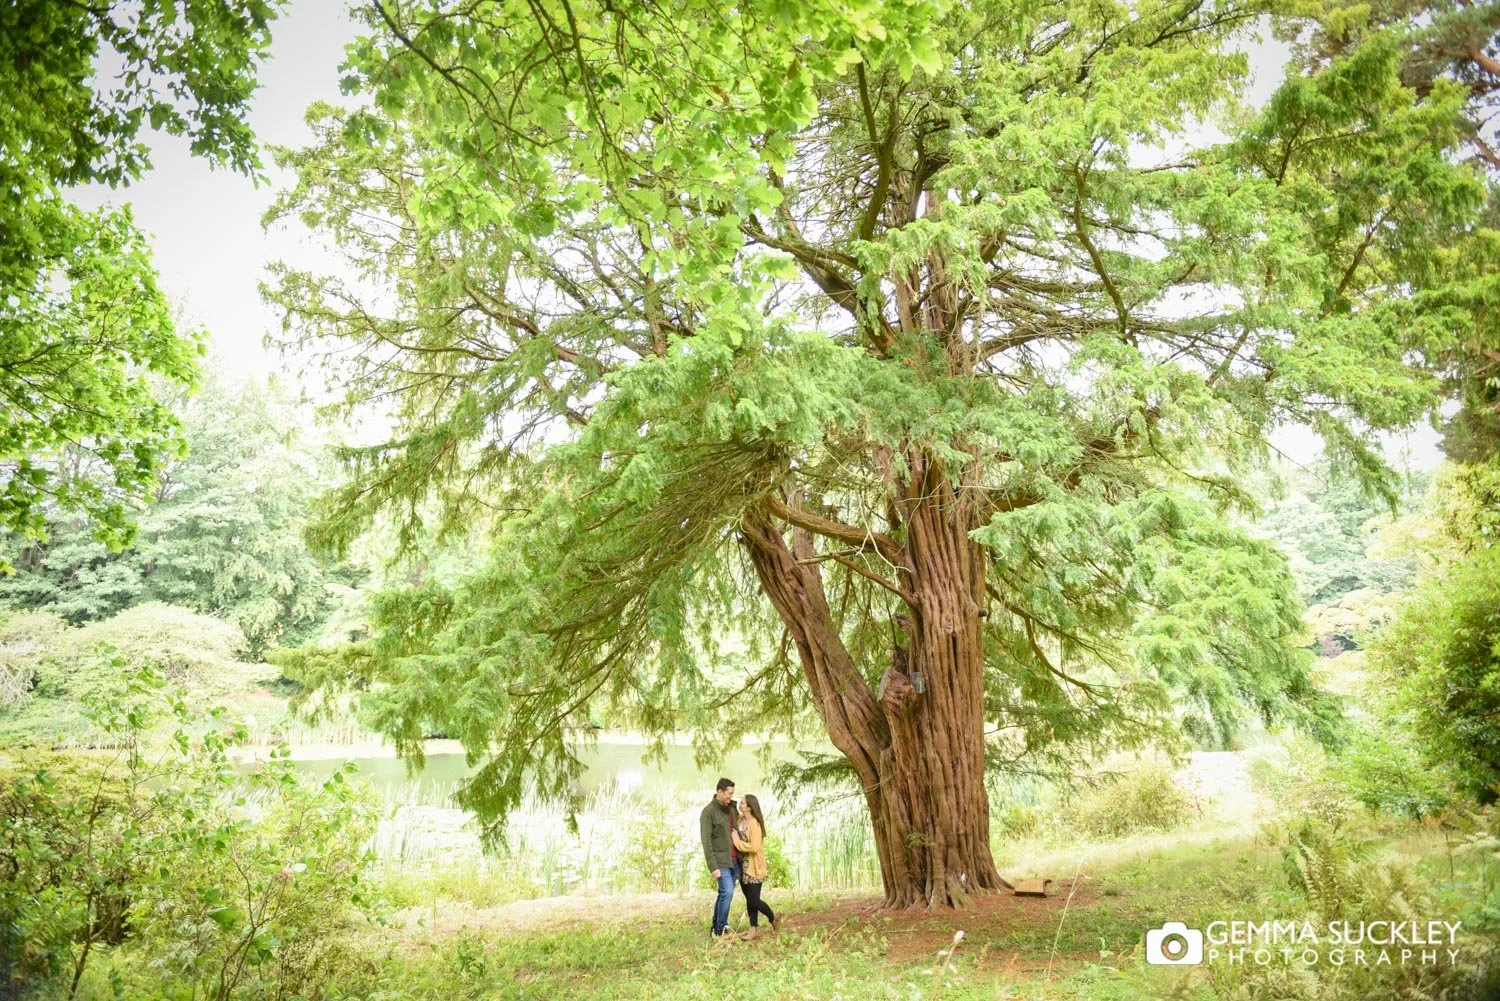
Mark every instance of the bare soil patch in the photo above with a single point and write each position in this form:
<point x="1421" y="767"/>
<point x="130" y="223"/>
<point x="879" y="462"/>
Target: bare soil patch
<point x="987" y="923"/>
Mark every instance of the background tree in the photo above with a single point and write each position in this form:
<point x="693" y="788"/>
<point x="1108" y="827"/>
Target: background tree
<point x="223" y="534"/>
<point x="880" y="351"/>
<point x="1325" y="526"/>
<point x="83" y="325"/>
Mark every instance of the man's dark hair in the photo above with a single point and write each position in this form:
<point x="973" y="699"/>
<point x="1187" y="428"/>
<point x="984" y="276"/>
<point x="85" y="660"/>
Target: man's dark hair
<point x="724" y="784"/>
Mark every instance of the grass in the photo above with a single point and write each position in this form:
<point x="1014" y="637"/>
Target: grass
<point x="657" y="947"/>
<point x="458" y="939"/>
<point x="622" y="834"/>
<point x="463" y="926"/>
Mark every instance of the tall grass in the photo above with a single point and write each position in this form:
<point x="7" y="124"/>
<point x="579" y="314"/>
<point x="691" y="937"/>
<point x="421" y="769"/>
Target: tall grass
<point x="620" y="841"/>
<point x="627" y="839"/>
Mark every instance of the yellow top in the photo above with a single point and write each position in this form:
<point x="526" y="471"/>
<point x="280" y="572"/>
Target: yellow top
<point x="752" y="850"/>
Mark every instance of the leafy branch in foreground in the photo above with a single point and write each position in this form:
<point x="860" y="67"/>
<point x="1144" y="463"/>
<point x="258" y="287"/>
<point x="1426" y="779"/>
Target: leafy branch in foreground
<point x="83" y="325"/>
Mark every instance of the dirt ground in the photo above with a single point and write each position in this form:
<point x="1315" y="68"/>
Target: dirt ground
<point x="921" y="934"/>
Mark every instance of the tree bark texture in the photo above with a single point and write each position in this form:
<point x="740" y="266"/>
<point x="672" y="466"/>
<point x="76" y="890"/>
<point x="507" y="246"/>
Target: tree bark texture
<point x="919" y="755"/>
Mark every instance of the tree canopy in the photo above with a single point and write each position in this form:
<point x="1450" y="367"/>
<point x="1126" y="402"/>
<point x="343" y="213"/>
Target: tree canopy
<point x="83" y="324"/>
<point x="1454" y="45"/>
<point x="889" y="364"/>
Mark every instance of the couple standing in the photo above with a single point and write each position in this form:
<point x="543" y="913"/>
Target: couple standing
<point x="734" y="840"/>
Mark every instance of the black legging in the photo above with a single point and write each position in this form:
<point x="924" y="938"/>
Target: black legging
<point x="755" y="906"/>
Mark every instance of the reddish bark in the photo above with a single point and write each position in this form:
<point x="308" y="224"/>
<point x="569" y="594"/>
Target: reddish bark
<point x="919" y="756"/>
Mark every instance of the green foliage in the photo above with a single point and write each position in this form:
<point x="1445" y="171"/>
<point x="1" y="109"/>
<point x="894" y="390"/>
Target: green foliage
<point x="83" y="325"/>
<point x="1143" y="798"/>
<point x="212" y="881"/>
<point x="676" y="272"/>
<point x="1349" y="622"/>
<point x="779" y="871"/>
<point x="70" y="669"/>
<point x="1457" y="46"/>
<point x="24" y="643"/>
<point x="1341" y="875"/>
<point x="1325" y="528"/>
<point x="655" y="846"/>
<point x="223" y="536"/>
<point x="1438" y="661"/>
<point x="1307" y="784"/>
<point x="1443" y="655"/>
<point x="1015" y="820"/>
<point x="1387" y="769"/>
<point x="1328" y="865"/>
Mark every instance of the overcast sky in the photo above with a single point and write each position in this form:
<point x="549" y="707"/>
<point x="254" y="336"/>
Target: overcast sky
<point x="211" y="250"/>
<point x="205" y="224"/>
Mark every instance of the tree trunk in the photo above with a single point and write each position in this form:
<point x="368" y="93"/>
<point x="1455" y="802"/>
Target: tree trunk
<point x="919" y="754"/>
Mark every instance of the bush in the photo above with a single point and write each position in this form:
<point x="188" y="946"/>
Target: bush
<point x="1384" y="767"/>
<point x="656" y="850"/>
<point x="25" y="641"/>
<point x="779" y="871"/>
<point x="1340" y="877"/>
<point x="65" y="671"/>
<point x="210" y="883"/>
<point x="1145" y="798"/>
<point x="191" y="650"/>
<point x="1016" y="821"/>
<point x="1306" y="784"/>
<point x="1442" y="655"/>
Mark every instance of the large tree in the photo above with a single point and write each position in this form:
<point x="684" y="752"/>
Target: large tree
<point x="896" y="358"/>
<point x="83" y="324"/>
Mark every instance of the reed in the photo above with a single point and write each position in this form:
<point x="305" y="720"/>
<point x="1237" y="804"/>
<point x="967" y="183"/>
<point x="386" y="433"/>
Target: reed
<point x="423" y="837"/>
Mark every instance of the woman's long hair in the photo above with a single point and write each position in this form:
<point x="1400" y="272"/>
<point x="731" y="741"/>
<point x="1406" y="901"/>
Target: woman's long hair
<point x="754" y="805"/>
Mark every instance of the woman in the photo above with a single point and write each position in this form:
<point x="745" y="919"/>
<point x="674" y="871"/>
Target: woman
<point x="750" y="841"/>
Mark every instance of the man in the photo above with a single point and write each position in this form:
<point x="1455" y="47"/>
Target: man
<point x="714" y="825"/>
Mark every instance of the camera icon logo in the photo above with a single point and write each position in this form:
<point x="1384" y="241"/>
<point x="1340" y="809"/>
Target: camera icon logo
<point x="1174" y="944"/>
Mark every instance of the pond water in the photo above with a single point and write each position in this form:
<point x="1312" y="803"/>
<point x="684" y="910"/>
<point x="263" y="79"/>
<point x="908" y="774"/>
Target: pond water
<point x="618" y="763"/>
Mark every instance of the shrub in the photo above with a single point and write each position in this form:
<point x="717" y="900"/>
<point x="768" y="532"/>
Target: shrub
<point x="213" y="883"/>
<point x="779" y="871"/>
<point x="1014" y="821"/>
<point x="191" y="650"/>
<point x="656" y="849"/>
<point x="1145" y="798"/>
<point x="1442" y="656"/>
<point x="66" y="671"/>
<point x="1340" y="877"/>
<point x="1306" y="784"/>
<point x="25" y="641"/>
<point x="1384" y="767"/>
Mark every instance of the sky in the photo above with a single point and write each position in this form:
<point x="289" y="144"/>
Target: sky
<point x="205" y="224"/>
<point x="211" y="250"/>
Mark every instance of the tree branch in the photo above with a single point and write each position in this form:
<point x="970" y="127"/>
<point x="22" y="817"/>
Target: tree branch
<point x="888" y="548"/>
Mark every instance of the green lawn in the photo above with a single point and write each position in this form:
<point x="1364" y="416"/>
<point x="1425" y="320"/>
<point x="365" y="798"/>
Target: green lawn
<point x="656" y="947"/>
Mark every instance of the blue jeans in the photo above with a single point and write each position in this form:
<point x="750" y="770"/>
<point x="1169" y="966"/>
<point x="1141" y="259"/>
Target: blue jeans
<point x="727" y="878"/>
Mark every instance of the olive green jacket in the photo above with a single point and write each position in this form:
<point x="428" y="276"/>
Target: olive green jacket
<point x="713" y="827"/>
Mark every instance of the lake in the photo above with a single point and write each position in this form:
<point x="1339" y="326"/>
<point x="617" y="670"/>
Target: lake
<point x="605" y="763"/>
